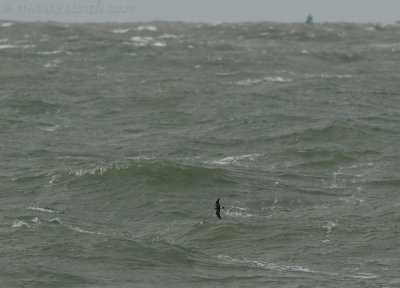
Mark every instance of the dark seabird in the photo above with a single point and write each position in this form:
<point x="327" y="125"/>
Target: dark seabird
<point x="218" y="209"/>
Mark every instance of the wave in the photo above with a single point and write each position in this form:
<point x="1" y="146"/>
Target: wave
<point x="6" y="24"/>
<point x="147" y="28"/>
<point x="53" y="52"/>
<point x="263" y="264"/>
<point x="121" y="31"/>
<point x="9" y="46"/>
<point x="250" y="82"/>
<point x="144" y="41"/>
<point x="236" y="160"/>
<point x="153" y="172"/>
<point x="49" y="210"/>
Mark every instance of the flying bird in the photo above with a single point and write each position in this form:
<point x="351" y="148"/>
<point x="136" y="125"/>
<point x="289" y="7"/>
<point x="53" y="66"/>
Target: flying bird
<point x="218" y="208"/>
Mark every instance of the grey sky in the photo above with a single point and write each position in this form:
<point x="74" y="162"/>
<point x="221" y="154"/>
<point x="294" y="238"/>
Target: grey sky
<point x="201" y="10"/>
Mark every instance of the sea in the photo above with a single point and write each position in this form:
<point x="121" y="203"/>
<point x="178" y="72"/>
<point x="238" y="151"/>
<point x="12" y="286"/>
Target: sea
<point x="116" y="140"/>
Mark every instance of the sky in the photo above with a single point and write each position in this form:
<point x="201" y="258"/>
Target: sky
<point x="360" y="11"/>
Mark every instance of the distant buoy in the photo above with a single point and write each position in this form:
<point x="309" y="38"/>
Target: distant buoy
<point x="309" y="20"/>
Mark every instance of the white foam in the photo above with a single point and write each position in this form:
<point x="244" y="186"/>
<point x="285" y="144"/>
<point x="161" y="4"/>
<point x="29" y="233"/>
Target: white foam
<point x="36" y="220"/>
<point x="235" y="160"/>
<point x="336" y="76"/>
<point x="142" y="41"/>
<point x="370" y="29"/>
<point x="216" y="23"/>
<point x="7" y="46"/>
<point x="226" y="73"/>
<point x="238" y="212"/>
<point x="364" y="276"/>
<point x="159" y="44"/>
<point x="53" y="128"/>
<point x="53" y="178"/>
<point x="91" y="171"/>
<point x="82" y="230"/>
<point x="168" y="36"/>
<point x="19" y="224"/>
<point x="142" y="158"/>
<point x="120" y="31"/>
<point x="329" y="226"/>
<point x="147" y="28"/>
<point x="75" y="37"/>
<point x="49" y="52"/>
<point x="277" y="79"/>
<point x="56" y="220"/>
<point x="265" y="265"/>
<point x="249" y="82"/>
<point x="6" y="24"/>
<point x="52" y="64"/>
<point x="3" y="40"/>
<point x="41" y="209"/>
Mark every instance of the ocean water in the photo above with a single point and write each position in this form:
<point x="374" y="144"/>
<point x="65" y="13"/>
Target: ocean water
<point x="117" y="139"/>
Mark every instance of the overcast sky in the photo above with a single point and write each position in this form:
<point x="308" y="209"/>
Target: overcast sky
<point x="386" y="11"/>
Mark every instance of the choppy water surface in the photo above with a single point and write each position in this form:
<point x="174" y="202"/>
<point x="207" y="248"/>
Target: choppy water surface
<point x="116" y="140"/>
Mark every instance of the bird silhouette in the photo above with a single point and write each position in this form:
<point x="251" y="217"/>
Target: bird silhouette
<point x="218" y="208"/>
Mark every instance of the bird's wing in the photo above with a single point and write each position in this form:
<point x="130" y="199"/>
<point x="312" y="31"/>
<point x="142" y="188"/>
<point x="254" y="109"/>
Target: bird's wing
<point x="217" y="212"/>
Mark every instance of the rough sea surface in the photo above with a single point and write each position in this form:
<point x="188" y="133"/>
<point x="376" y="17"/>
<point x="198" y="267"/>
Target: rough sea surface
<point x="117" y="139"/>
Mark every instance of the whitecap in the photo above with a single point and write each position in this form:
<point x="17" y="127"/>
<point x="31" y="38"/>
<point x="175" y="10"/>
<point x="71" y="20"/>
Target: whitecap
<point x="3" y="40"/>
<point x="264" y="265"/>
<point x="82" y="230"/>
<point x="71" y="38"/>
<point x="19" y="224"/>
<point x="53" y="63"/>
<point x="49" y="52"/>
<point x="36" y="220"/>
<point x="142" y="41"/>
<point x="56" y="221"/>
<point x="159" y="44"/>
<point x="216" y="23"/>
<point x="52" y="129"/>
<point x="168" y="36"/>
<point x="249" y="82"/>
<point x="329" y="226"/>
<point x="235" y="160"/>
<point x="226" y="73"/>
<point x="48" y="210"/>
<point x="91" y="171"/>
<point x="364" y="276"/>
<point x="120" y="31"/>
<point x="238" y="212"/>
<point x="142" y="158"/>
<point x="339" y="76"/>
<point x="147" y="28"/>
<point x="6" y="24"/>
<point x="277" y="79"/>
<point x="7" y="46"/>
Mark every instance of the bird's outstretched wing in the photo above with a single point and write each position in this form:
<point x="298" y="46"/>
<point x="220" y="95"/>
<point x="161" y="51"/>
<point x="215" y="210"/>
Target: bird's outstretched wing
<point x="217" y="208"/>
<point x="217" y="212"/>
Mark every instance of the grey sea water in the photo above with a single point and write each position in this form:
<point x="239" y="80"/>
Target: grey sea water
<point x="117" y="139"/>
